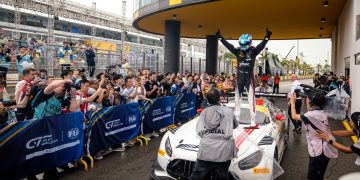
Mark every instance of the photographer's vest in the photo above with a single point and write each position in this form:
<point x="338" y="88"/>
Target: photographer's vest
<point x="317" y="120"/>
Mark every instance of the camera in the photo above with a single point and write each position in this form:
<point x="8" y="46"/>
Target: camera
<point x="9" y="103"/>
<point x="309" y="91"/>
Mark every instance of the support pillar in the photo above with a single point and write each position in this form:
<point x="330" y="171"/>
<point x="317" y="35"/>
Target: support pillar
<point x="211" y="54"/>
<point x="172" y="46"/>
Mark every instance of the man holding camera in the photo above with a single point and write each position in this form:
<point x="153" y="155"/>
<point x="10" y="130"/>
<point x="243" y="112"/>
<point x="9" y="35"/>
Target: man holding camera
<point x="49" y="102"/>
<point x="82" y="97"/>
<point x="295" y="88"/>
<point x="315" y="121"/>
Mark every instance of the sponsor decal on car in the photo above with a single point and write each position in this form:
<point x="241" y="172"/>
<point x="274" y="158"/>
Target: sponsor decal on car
<point x="261" y="171"/>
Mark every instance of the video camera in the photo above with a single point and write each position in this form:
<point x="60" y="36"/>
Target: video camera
<point x="308" y="91"/>
<point x="68" y="86"/>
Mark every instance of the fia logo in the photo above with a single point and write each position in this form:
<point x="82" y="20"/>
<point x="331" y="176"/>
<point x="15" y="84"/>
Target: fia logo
<point x="168" y="109"/>
<point x="132" y="119"/>
<point x="73" y="133"/>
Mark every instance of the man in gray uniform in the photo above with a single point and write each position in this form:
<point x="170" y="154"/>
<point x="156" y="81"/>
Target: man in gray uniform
<point x="217" y="148"/>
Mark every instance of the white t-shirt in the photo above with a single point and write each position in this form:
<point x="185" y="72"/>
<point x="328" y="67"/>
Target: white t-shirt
<point x="126" y="94"/>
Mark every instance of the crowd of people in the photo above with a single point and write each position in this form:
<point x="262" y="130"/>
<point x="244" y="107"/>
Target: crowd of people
<point x="329" y="81"/>
<point x="38" y="95"/>
<point x="30" y="52"/>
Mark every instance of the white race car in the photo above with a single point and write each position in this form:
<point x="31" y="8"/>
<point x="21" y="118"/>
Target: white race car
<point x="259" y="150"/>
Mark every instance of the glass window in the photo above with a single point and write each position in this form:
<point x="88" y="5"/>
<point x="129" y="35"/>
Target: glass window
<point x="357" y="59"/>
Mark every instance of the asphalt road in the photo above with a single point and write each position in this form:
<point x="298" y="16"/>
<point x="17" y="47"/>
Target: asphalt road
<point x="135" y="163"/>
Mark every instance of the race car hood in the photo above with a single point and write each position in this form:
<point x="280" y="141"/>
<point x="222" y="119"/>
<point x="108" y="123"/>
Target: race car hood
<point x="185" y="141"/>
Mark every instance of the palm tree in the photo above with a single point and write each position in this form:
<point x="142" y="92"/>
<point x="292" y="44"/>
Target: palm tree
<point x="319" y="67"/>
<point x="285" y="63"/>
<point x="326" y="67"/>
<point x="292" y="64"/>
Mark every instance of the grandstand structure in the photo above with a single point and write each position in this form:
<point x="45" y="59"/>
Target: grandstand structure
<point x="54" y="21"/>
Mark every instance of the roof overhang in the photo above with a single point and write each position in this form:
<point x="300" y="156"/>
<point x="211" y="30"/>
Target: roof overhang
<point x="287" y="19"/>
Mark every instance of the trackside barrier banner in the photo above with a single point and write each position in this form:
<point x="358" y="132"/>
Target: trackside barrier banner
<point x="185" y="108"/>
<point x="34" y="146"/>
<point x="159" y="115"/>
<point x="111" y="126"/>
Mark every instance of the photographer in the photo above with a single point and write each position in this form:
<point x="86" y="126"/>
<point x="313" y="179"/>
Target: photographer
<point x="82" y="97"/>
<point x="49" y="102"/>
<point x="315" y="120"/>
<point x="354" y="148"/>
<point x="7" y="106"/>
<point x="216" y="149"/>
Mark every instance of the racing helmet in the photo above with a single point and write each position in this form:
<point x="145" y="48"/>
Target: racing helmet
<point x="245" y="41"/>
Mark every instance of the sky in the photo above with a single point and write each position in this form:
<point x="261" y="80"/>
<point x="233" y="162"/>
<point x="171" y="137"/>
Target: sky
<point x="315" y="50"/>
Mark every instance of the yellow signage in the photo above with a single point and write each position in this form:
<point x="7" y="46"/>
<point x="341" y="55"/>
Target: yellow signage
<point x="126" y="48"/>
<point x="234" y="61"/>
<point x="104" y="46"/>
<point x="261" y="171"/>
<point x="174" y="2"/>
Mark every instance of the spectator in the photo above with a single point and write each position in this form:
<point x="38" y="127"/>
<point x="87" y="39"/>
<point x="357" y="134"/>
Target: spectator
<point x="270" y="81"/>
<point x="151" y="86"/>
<point x="5" y="59"/>
<point x="49" y="102"/>
<point x="315" y="120"/>
<point x="209" y="158"/>
<point x="199" y="93"/>
<point x="316" y="81"/>
<point x="67" y="74"/>
<point x="7" y="114"/>
<point x="24" y="60"/>
<point x="90" y="59"/>
<point x="3" y="38"/>
<point x="142" y="90"/>
<point x="126" y="64"/>
<point x="23" y="96"/>
<point x="65" y="56"/>
<point x="295" y="88"/>
<point x="276" y="83"/>
<point x="264" y="79"/>
<point x="82" y="97"/>
<point x="130" y="92"/>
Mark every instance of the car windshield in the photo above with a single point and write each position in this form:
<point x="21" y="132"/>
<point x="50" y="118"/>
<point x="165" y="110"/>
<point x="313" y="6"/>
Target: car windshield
<point x="245" y="117"/>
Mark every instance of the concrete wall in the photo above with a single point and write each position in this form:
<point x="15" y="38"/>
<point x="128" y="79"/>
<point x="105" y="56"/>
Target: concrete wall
<point x="345" y="46"/>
